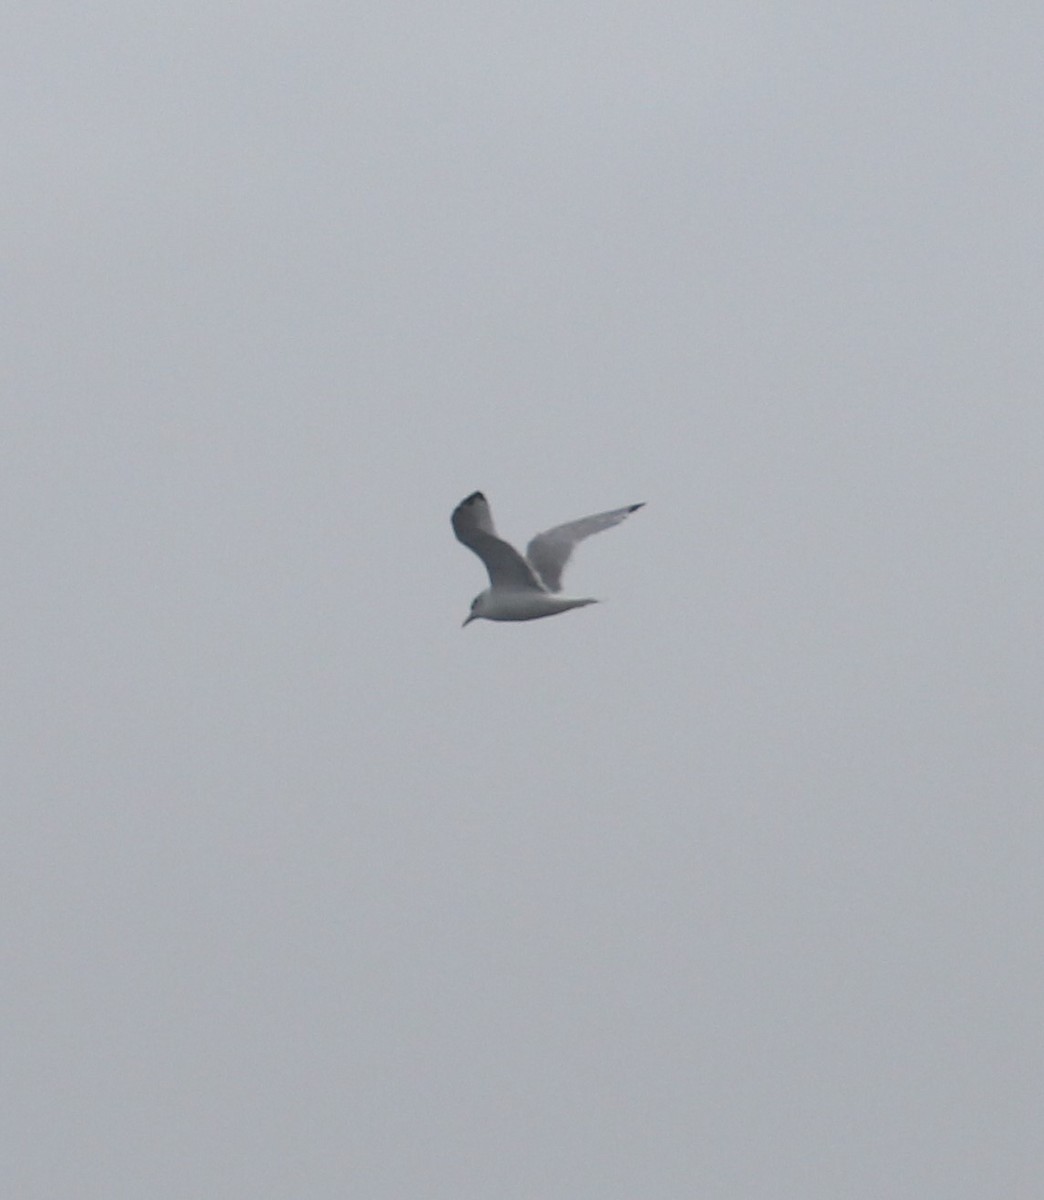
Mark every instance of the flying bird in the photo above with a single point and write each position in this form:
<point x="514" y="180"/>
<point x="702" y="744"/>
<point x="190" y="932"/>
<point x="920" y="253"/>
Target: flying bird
<point x="521" y="589"/>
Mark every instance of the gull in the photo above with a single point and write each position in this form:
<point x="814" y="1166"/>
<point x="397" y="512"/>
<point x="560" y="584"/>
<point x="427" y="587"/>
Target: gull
<point x="522" y="589"/>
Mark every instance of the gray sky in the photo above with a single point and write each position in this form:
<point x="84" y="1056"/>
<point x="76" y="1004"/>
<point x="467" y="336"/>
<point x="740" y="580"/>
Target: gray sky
<point x="728" y="888"/>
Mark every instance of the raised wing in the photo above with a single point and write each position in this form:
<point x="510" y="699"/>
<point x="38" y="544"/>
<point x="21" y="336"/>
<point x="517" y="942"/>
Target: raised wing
<point x="508" y="570"/>
<point x="549" y="551"/>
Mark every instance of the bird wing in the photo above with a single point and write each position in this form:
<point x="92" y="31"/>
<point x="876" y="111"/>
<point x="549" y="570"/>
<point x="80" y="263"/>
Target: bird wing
<point x="508" y="570"/>
<point x="549" y="551"/>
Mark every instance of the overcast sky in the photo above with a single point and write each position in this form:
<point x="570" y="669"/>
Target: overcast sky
<point x="729" y="888"/>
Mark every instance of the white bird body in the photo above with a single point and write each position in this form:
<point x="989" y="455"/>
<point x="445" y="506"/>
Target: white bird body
<point x="522" y="589"/>
<point x="496" y="605"/>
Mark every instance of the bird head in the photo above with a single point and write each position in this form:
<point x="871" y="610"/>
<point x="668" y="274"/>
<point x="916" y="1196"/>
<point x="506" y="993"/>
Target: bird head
<point x="476" y="609"/>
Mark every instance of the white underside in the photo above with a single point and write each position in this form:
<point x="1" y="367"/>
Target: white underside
<point x="498" y="605"/>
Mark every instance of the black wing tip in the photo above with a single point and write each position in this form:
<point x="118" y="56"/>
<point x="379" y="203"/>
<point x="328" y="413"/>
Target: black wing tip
<point x="636" y="507"/>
